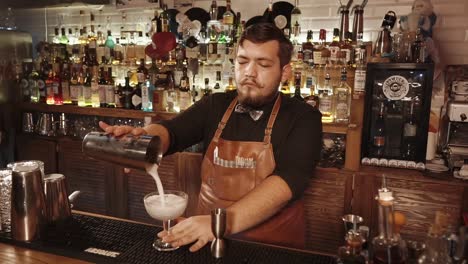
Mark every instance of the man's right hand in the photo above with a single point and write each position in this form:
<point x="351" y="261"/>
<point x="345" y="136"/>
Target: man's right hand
<point x="121" y="130"/>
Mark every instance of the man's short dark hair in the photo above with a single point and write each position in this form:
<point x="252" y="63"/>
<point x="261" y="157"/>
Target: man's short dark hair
<point x="263" y="32"/>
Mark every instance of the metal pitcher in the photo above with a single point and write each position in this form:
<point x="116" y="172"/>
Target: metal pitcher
<point x="58" y="207"/>
<point x="28" y="210"/>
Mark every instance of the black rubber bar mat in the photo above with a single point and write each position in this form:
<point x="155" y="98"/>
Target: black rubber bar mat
<point x="102" y="240"/>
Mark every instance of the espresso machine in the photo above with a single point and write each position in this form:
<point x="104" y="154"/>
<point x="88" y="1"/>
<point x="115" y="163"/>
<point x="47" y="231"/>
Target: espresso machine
<point x="454" y="126"/>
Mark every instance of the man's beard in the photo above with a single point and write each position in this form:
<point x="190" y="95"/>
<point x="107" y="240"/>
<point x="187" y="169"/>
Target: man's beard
<point x="254" y="101"/>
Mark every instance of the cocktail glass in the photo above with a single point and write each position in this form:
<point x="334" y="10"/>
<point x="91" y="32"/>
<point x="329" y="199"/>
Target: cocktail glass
<point x="173" y="207"/>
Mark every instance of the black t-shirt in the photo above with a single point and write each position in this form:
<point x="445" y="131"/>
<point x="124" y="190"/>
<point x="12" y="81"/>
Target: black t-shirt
<point x="296" y="134"/>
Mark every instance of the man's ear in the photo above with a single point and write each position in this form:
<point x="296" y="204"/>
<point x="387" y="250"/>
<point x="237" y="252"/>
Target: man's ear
<point x="286" y="72"/>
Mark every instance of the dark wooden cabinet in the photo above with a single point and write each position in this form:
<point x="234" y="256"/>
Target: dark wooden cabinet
<point x="37" y="148"/>
<point x="90" y="176"/>
<point x="327" y="199"/>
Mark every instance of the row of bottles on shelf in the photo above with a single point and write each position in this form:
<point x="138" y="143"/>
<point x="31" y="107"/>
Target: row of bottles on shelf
<point x="441" y="245"/>
<point x="175" y="86"/>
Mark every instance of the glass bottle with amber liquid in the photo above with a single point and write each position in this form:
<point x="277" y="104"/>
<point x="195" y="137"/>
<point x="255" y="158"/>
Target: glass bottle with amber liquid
<point x="386" y="246"/>
<point x="65" y="83"/>
<point x="297" y="86"/>
<point x="185" y="97"/>
<point x="379" y="133"/>
<point x="308" y="49"/>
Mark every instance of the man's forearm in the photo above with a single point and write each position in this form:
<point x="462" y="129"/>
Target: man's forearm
<point x="260" y="204"/>
<point x="162" y="132"/>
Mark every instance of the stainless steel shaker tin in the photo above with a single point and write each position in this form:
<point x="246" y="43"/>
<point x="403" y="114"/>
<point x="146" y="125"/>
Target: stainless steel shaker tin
<point x="27" y="202"/>
<point x="56" y="197"/>
<point x="129" y="151"/>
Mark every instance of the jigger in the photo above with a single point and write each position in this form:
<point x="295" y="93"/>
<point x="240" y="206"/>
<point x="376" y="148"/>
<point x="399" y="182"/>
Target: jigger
<point x="218" y="227"/>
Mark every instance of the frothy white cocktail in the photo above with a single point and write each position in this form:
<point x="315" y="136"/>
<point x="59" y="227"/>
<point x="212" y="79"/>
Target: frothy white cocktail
<point x="171" y="207"/>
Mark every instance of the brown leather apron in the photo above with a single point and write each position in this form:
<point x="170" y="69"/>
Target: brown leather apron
<point x="231" y="169"/>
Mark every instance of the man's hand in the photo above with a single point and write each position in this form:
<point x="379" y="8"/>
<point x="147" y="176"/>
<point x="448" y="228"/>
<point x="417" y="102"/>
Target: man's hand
<point x="121" y="130"/>
<point x="195" y="228"/>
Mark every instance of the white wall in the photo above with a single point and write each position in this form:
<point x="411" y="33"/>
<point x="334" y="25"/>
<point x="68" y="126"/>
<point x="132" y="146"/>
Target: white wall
<point x="451" y="31"/>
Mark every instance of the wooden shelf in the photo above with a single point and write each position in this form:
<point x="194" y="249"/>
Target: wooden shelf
<point x="335" y="128"/>
<point x="109" y="112"/>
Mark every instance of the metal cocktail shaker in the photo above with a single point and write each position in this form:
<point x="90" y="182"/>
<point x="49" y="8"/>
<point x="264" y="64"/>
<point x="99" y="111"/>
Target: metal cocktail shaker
<point x="27" y="202"/>
<point x="129" y="151"/>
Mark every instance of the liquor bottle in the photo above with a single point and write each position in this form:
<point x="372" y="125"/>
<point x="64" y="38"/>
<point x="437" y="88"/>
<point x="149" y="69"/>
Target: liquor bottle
<point x="81" y="82"/>
<point x="75" y="88"/>
<point x="295" y="33"/>
<point x="308" y="49"/>
<point x="95" y="91"/>
<point x="102" y="87"/>
<point x="386" y="245"/>
<point x="360" y="75"/>
<point x="342" y="96"/>
<point x="52" y="85"/>
<point x="347" y="48"/>
<point x="326" y="106"/>
<point x="86" y="89"/>
<point x="171" y="95"/>
<point x="44" y="75"/>
<point x="295" y="14"/>
<point x="110" y="89"/>
<point x="26" y="88"/>
<point x="214" y="10"/>
<point x="317" y="53"/>
<point x="217" y="86"/>
<point x="236" y="27"/>
<point x="408" y="148"/>
<point x="142" y="72"/>
<point x="147" y="89"/>
<point x="127" y="92"/>
<point x="379" y="133"/>
<point x="230" y="86"/>
<point x="185" y="97"/>
<point x="65" y="83"/>
<point x="418" y="48"/>
<point x="297" y="86"/>
<point x="154" y="23"/>
<point x="228" y="22"/>
<point x="56" y="38"/>
<point x="63" y="38"/>
<point x="207" y="90"/>
<point x="136" y="97"/>
<point x="351" y="253"/>
<point x="33" y="82"/>
<point x="334" y="47"/>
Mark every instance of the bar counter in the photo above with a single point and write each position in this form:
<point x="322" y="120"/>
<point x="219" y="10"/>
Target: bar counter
<point x="91" y="238"/>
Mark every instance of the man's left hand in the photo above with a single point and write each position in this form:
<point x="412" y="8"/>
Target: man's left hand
<point x="193" y="229"/>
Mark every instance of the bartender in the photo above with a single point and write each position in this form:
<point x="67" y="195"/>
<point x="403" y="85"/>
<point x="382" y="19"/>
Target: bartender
<point x="262" y="148"/>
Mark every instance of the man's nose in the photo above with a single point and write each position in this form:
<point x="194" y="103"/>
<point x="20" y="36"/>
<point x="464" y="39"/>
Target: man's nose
<point x="251" y="70"/>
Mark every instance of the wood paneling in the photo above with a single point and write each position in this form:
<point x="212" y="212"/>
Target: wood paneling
<point x="324" y="207"/>
<point x="140" y="184"/>
<point x="417" y="196"/>
<point x="189" y="168"/>
<point x="37" y="148"/>
<point x="85" y="174"/>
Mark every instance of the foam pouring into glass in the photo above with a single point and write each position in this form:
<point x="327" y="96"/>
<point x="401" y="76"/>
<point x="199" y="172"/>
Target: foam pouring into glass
<point x="152" y="169"/>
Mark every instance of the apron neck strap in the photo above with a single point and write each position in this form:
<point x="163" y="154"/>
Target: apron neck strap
<point x="224" y="120"/>
<point x="271" y="120"/>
